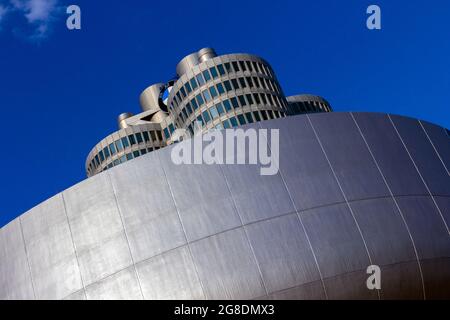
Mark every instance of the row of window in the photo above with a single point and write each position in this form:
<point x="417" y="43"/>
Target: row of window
<point x="129" y="156"/>
<point x="240" y="119"/>
<point x="308" y="106"/>
<point x="222" y="69"/>
<point x="229" y="85"/>
<point x="121" y="144"/>
<point x="234" y="102"/>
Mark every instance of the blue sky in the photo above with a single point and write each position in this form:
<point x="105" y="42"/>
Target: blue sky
<point x="61" y="90"/>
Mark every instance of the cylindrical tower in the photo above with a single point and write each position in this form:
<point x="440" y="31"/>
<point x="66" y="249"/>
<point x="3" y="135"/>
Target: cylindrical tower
<point x="307" y="103"/>
<point x="225" y="91"/>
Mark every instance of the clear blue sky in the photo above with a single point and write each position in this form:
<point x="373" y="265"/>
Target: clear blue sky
<point x="61" y="90"/>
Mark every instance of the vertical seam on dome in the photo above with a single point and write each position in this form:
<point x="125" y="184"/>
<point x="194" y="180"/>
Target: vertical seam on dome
<point x="125" y="233"/>
<point x="73" y="244"/>
<point x="344" y="195"/>
<point x="245" y="231"/>
<point x="420" y="175"/>
<point x="26" y="255"/>
<point x="301" y="223"/>
<point x="397" y="206"/>
<point x="434" y="147"/>
<point x="182" y="227"/>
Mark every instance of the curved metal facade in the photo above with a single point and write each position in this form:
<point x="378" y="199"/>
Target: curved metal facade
<point x="353" y="189"/>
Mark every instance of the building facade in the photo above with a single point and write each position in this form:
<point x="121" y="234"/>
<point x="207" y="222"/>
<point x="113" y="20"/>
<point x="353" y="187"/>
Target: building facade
<point x="217" y="92"/>
<point x="352" y="190"/>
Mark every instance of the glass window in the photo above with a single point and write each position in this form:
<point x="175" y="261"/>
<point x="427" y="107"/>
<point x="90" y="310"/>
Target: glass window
<point x="194" y="104"/>
<point x="263" y="98"/>
<point x="227" y="105"/>
<point x="249" y="65"/>
<point x="102" y="157"/>
<point x="112" y="147"/>
<point x="183" y="93"/>
<point x="271" y="116"/>
<point x="188" y="87"/>
<point x="146" y="137"/>
<point x="206" y="95"/>
<point x="213" y="111"/>
<point x="200" y="119"/>
<point x="220" y="88"/>
<point x="109" y="166"/>
<point x="106" y="152"/>
<point x="255" y="80"/>
<point x="242" y="82"/>
<point x="235" y="84"/>
<point x="159" y="135"/>
<point x="206" y="75"/>
<point x="143" y="151"/>
<point x="119" y="145"/>
<point x="171" y="128"/>
<point x="242" y="64"/>
<point x="125" y="142"/>
<point x="96" y="160"/>
<point x="254" y="66"/>
<point x="136" y="153"/>
<point x="132" y="139"/>
<point x="200" y="79"/>
<point x="116" y="162"/>
<point x="166" y="133"/>
<point x="234" y="122"/>
<point x="220" y="108"/>
<point x="193" y="84"/>
<point x="242" y="101"/>
<point x="152" y="135"/>
<point x="241" y="119"/>
<point x="235" y="66"/>
<point x="219" y="126"/>
<point x="213" y="72"/>
<point x="227" y="66"/>
<point x="227" y="85"/>
<point x="250" y="82"/>
<point x="200" y="99"/>
<point x="256" y="96"/>
<point x="149" y="149"/>
<point x="213" y="92"/>
<point x="264" y="114"/>
<point x="249" y="98"/>
<point x="129" y="156"/>
<point x="139" y="137"/>
<point x="226" y="124"/>
<point x="234" y="102"/>
<point x="221" y="69"/>
<point x="123" y="159"/>
<point x="256" y="115"/>
<point x="248" y="115"/>
<point x="188" y="108"/>
<point x="206" y="116"/>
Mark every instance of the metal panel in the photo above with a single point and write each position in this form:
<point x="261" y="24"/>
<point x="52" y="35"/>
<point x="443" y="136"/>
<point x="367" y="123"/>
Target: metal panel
<point x="147" y="207"/>
<point x="171" y="275"/>
<point x="401" y="281"/>
<point x="444" y="205"/>
<point x="350" y="286"/>
<point x="427" y="227"/>
<point x="50" y="250"/>
<point x="308" y="291"/>
<point x="440" y="140"/>
<point x="303" y="165"/>
<point x="437" y="278"/>
<point x="423" y="154"/>
<point x="79" y="295"/>
<point x="95" y="218"/>
<point x="391" y="156"/>
<point x="122" y="285"/>
<point x="105" y="259"/>
<point x="351" y="161"/>
<point x="202" y="197"/>
<point x="335" y="240"/>
<point x="283" y="253"/>
<point x="15" y="279"/>
<point x="226" y="266"/>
